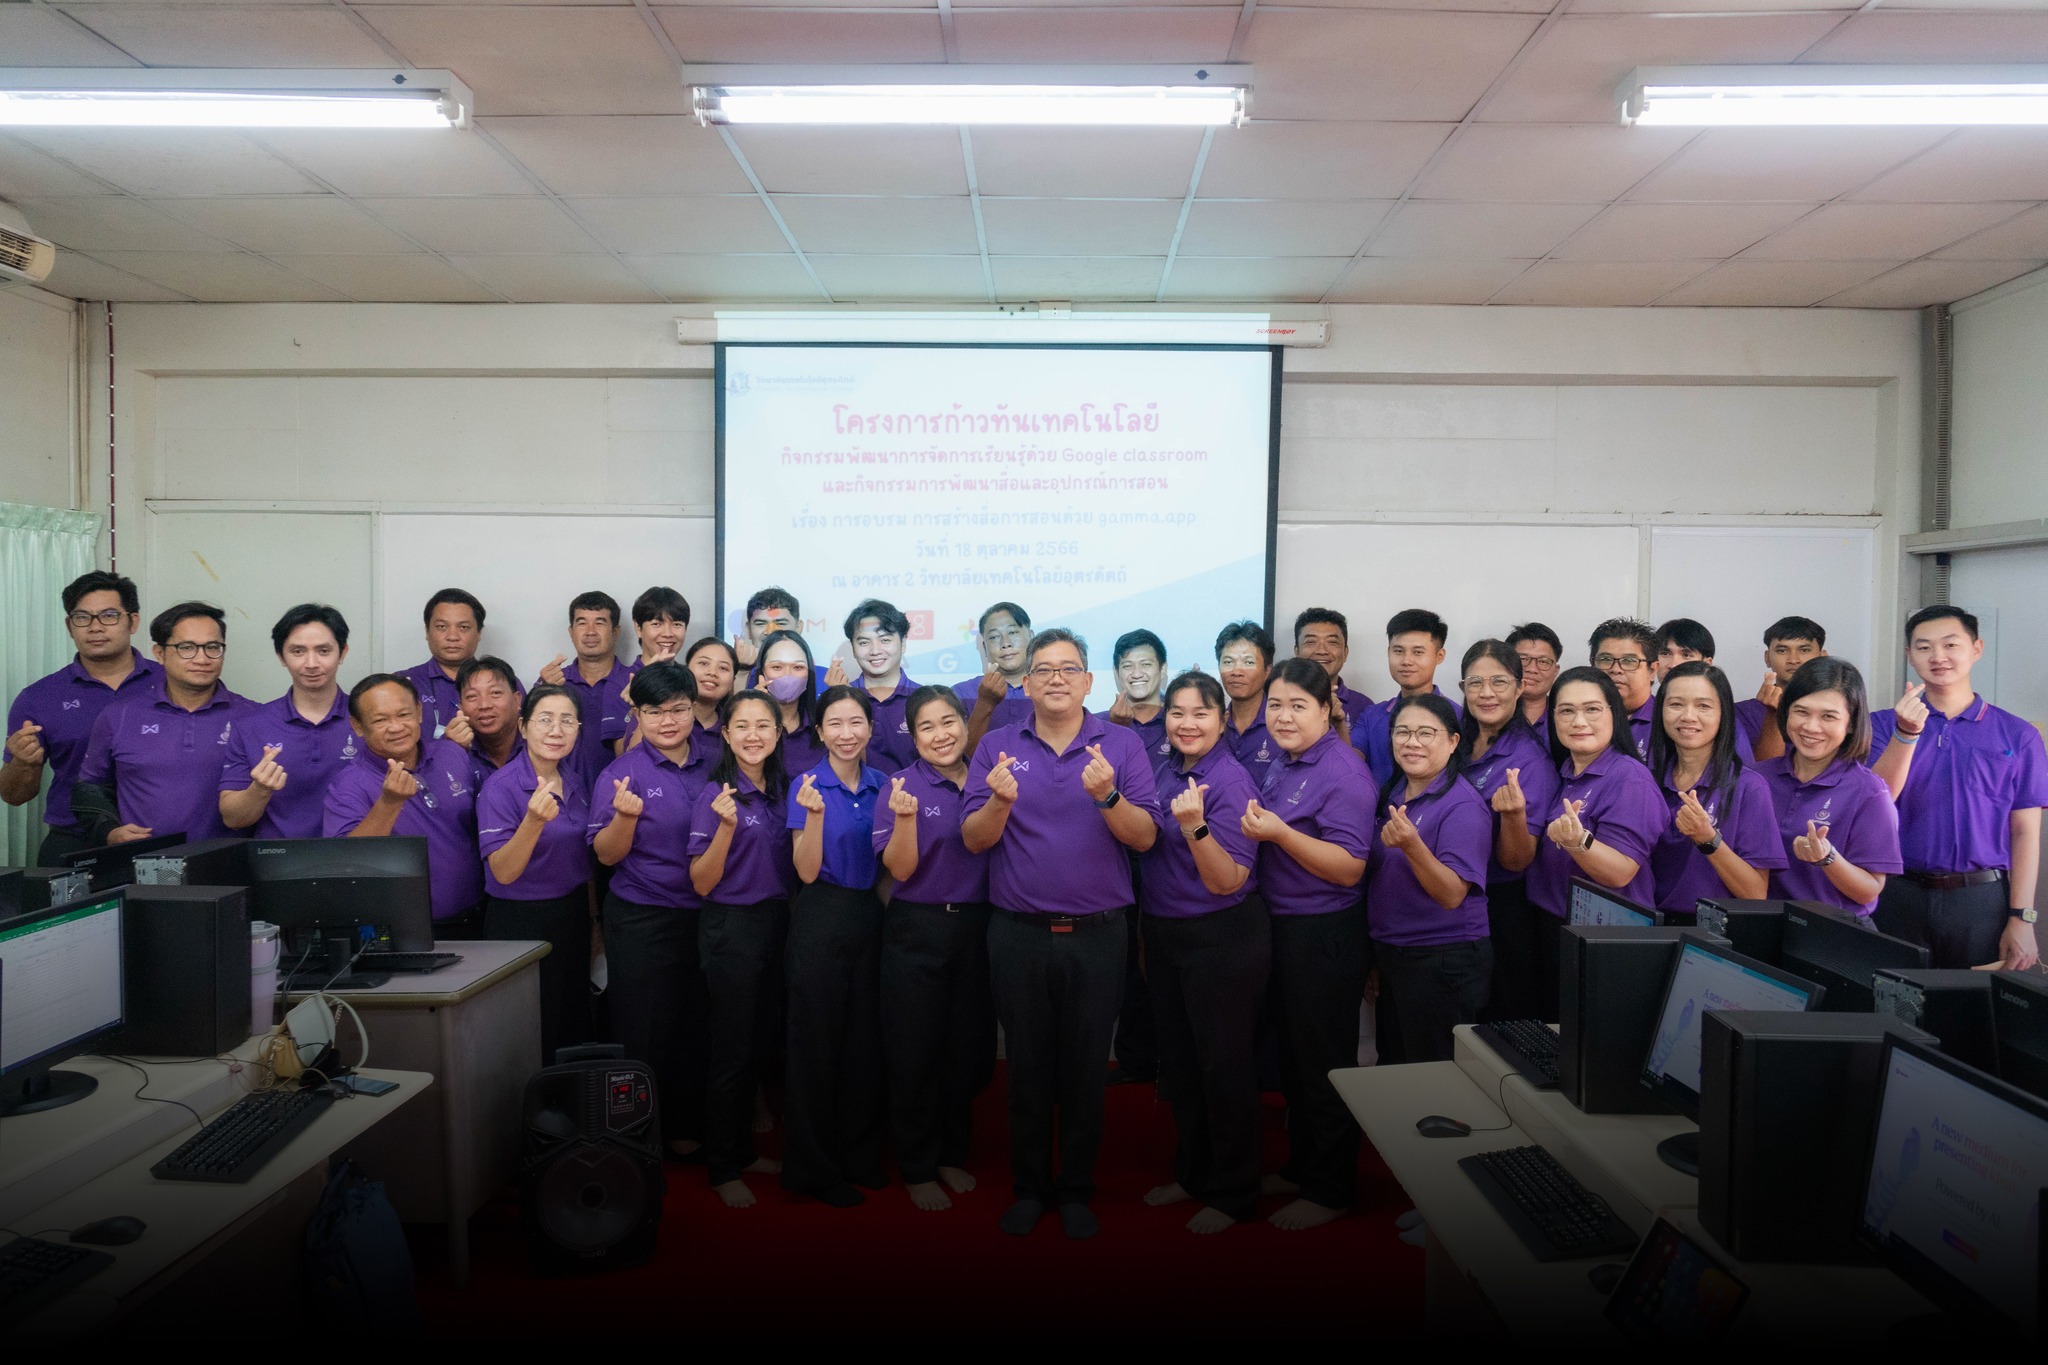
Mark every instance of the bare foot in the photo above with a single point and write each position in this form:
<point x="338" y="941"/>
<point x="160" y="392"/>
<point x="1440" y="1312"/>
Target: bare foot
<point x="1304" y="1213"/>
<point x="735" y="1194"/>
<point x="682" y="1148"/>
<point x="927" y="1195"/>
<point x="1210" y="1221"/>
<point x="766" y="1165"/>
<point x="1277" y="1183"/>
<point x="1167" y="1194"/>
<point x="957" y="1180"/>
<point x="764" y="1118"/>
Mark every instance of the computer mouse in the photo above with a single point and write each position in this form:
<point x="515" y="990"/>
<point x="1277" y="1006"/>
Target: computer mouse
<point x="117" y="1231"/>
<point x="1436" y="1125"/>
<point x="1606" y="1275"/>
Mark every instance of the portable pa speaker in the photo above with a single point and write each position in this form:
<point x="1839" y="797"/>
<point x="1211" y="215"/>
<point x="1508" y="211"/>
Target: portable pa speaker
<point x="591" y="1181"/>
<point x="185" y="953"/>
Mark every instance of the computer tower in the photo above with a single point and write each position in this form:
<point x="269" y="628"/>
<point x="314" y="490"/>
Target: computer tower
<point x="24" y="890"/>
<point x="2019" y="1020"/>
<point x="1610" y="982"/>
<point x="1952" y="1003"/>
<point x="187" y="959"/>
<point x="1786" y="1105"/>
<point x="1753" y="928"/>
<point x="206" y="862"/>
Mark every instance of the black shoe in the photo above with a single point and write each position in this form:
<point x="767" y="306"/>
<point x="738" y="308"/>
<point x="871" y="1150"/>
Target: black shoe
<point x="1021" y="1217"/>
<point x="1079" y="1221"/>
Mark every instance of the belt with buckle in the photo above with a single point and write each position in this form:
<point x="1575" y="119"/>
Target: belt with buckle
<point x="1062" y="924"/>
<point x="1955" y="881"/>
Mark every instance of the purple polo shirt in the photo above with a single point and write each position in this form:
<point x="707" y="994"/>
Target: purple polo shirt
<point x="439" y="700"/>
<point x="759" y="862"/>
<point x="706" y="740"/>
<point x="481" y="766"/>
<point x="1968" y="776"/>
<point x="1516" y="747"/>
<point x="442" y="811"/>
<point x="165" y="761"/>
<point x="1253" y="748"/>
<point x="605" y="709"/>
<point x="310" y="755"/>
<point x="947" y="874"/>
<point x="1057" y="856"/>
<point x="65" y="704"/>
<point x="1168" y="884"/>
<point x="849" y="852"/>
<point x="1356" y="703"/>
<point x="1640" y="722"/>
<point x="1863" y="825"/>
<point x="656" y="871"/>
<point x="802" y="751"/>
<point x="1624" y="809"/>
<point x="1456" y="826"/>
<point x="1373" y="734"/>
<point x="561" y="861"/>
<point x="1326" y="794"/>
<point x="1750" y="718"/>
<point x="1748" y="824"/>
<point x="893" y="746"/>
<point x="1014" y="709"/>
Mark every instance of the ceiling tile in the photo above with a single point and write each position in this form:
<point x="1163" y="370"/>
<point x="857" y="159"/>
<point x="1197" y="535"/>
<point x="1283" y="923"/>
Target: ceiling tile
<point x="2023" y="238"/>
<point x="1363" y="64"/>
<point x="114" y="223"/>
<point x="783" y="35"/>
<point x="180" y="161"/>
<point x="1376" y="280"/>
<point x="239" y="35"/>
<point x="1064" y="163"/>
<point x="1501" y="6"/>
<point x="1663" y="232"/>
<point x="653" y="227"/>
<point x="417" y="278"/>
<point x="1319" y="160"/>
<point x="1479" y="231"/>
<point x="541" y="60"/>
<point x="1714" y="6"/>
<point x="1571" y="76"/>
<point x="1028" y="278"/>
<point x="33" y="36"/>
<point x="893" y="226"/>
<point x="1798" y="164"/>
<point x="1772" y="284"/>
<point x="1919" y="284"/>
<point x="81" y="277"/>
<point x="855" y="160"/>
<point x="953" y="279"/>
<point x="1877" y="232"/>
<point x="1237" y="227"/>
<point x="1280" y="279"/>
<point x="357" y="161"/>
<point x="634" y="155"/>
<point x="309" y="224"/>
<point x="1944" y="37"/>
<point x="1079" y="227"/>
<point x="1975" y="163"/>
<point x="1598" y="284"/>
<point x="477" y="226"/>
<point x="557" y="279"/>
<point x="1187" y="34"/>
<point x="234" y="277"/>
<point x="804" y="4"/>
<point x="24" y="172"/>
<point x="714" y="279"/>
<point x="1555" y="164"/>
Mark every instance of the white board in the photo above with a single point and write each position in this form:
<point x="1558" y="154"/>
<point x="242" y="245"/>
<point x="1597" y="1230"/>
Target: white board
<point x="2007" y="590"/>
<point x="1739" y="579"/>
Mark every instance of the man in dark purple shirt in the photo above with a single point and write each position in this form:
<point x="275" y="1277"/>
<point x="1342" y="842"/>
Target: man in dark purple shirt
<point x="455" y="630"/>
<point x="1789" y="642"/>
<point x="1325" y="636"/>
<point x="273" y="779"/>
<point x="1244" y="660"/>
<point x="51" y="719"/>
<point x="1415" y="650"/>
<point x="488" y="723"/>
<point x="599" y="681"/>
<point x="1625" y="649"/>
<point x="1057" y="801"/>
<point x="876" y="631"/>
<point x="996" y="698"/>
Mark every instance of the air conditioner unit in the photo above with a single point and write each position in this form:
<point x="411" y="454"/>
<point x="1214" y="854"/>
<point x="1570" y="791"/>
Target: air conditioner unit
<point x="23" y="255"/>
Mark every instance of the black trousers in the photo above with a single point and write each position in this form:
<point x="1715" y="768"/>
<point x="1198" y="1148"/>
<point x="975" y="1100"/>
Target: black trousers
<point x="1432" y="991"/>
<point x="1057" y="996"/>
<point x="1319" y="965"/>
<point x="835" y="1117"/>
<point x="1512" y="926"/>
<point x="1959" y="928"/>
<point x="938" y="1029"/>
<point x="659" y="1012"/>
<point x="462" y="926"/>
<point x="1208" y="979"/>
<point x="57" y="843"/>
<point x="1137" y="1044"/>
<point x="564" y="921"/>
<point x="739" y="948"/>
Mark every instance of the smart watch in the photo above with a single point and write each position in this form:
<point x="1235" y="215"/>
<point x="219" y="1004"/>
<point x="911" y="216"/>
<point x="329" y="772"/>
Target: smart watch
<point x="1202" y="832"/>
<point x="1109" y="802"/>
<point x="2025" y="914"/>
<point x="1711" y="846"/>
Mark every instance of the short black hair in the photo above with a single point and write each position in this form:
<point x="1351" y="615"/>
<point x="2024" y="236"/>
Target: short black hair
<point x="1620" y="737"/>
<point x="1798" y="628"/>
<point x="1306" y="674"/>
<point x="1414" y="621"/>
<point x="1206" y="687"/>
<point x="1055" y="635"/>
<point x="658" y="603"/>
<point x="1828" y="674"/>
<point x="308" y="614"/>
<point x="1017" y="614"/>
<point x="713" y="642"/>
<point x="1723" y="762"/>
<point x="459" y="598"/>
<point x="1686" y="633"/>
<point x="839" y="692"/>
<point x="594" y="601"/>
<point x="484" y="663"/>
<point x="1623" y="628"/>
<point x="1323" y="616"/>
<point x="770" y="599"/>
<point x="885" y="615"/>
<point x="926" y="696"/>
<point x="543" y="693"/>
<point x="1941" y="611"/>
<point x="1535" y="632"/>
<point x="99" y="580"/>
<point x="1130" y="640"/>
<point x="658" y="684"/>
<point x="166" y="621"/>
<point x="1252" y="633"/>
<point x="376" y="680"/>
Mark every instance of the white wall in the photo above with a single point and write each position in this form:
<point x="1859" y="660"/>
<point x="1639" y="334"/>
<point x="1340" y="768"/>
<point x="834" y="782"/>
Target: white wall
<point x="38" y="403"/>
<point x="1999" y="435"/>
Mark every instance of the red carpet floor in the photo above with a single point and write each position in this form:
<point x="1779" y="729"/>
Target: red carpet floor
<point x="791" y="1265"/>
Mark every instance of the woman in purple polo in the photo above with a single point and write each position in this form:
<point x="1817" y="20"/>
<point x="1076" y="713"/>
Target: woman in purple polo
<point x="785" y="672"/>
<point x="1722" y="835"/>
<point x="1425" y="883"/>
<point x="1313" y="822"/>
<point x="1835" y="816"/>
<point x="530" y="820"/>
<point x="1510" y="767"/>
<point x="938" y="1015"/>
<point x="740" y="864"/>
<point x="716" y="668"/>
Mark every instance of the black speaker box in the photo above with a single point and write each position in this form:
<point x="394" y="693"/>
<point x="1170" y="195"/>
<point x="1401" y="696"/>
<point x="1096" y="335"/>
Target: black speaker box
<point x="1610" y="983"/>
<point x="591" y="1182"/>
<point x="1753" y="928"/>
<point x="186" y="954"/>
<point x="1952" y="1003"/>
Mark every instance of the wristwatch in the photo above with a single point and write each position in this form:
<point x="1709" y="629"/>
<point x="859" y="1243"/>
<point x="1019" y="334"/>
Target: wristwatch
<point x="1828" y="861"/>
<point x="1587" y="842"/>
<point x="1201" y="832"/>
<point x="1711" y="846"/>
<point x="1109" y="802"/>
<point x="2025" y="914"/>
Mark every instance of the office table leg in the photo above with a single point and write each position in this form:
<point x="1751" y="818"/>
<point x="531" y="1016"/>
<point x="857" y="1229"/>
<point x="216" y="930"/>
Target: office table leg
<point x="454" y="1133"/>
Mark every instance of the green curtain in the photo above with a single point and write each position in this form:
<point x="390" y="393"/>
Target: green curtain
<point x="41" y="549"/>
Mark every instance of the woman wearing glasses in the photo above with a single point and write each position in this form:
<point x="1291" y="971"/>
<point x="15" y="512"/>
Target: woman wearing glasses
<point x="1509" y="766"/>
<point x="531" y="817"/>
<point x="640" y="828"/>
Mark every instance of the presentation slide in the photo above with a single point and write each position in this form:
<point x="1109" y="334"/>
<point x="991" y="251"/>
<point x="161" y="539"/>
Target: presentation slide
<point x="1100" y="488"/>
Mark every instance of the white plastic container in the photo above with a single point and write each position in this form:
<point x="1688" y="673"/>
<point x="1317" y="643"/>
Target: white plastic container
<point x="265" y="949"/>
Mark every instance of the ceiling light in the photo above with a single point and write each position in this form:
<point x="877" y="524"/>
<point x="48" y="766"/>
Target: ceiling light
<point x="134" y="97"/>
<point x="1832" y="96"/>
<point x="1175" y="97"/>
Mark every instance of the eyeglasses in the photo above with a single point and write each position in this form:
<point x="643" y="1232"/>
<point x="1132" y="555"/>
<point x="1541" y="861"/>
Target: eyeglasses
<point x="1047" y="672"/>
<point x="1500" y="682"/>
<point x="667" y="712"/>
<point x="1627" y="663"/>
<point x="556" y="723"/>
<point x="186" y="649"/>
<point x="1426" y="734"/>
<point x="110" y="617"/>
<point x="1542" y="663"/>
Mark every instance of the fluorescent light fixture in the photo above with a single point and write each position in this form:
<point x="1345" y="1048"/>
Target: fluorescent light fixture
<point x="134" y="97"/>
<point x="1170" y="97"/>
<point x="1832" y="96"/>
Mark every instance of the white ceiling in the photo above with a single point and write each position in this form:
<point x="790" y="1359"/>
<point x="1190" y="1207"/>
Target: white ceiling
<point x="1416" y="151"/>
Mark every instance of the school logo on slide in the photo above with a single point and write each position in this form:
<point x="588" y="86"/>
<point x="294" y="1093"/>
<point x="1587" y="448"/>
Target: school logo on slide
<point x="739" y="381"/>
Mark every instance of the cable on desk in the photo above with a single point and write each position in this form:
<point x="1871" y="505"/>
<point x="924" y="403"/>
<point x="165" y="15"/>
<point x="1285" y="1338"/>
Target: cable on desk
<point x="153" y="1099"/>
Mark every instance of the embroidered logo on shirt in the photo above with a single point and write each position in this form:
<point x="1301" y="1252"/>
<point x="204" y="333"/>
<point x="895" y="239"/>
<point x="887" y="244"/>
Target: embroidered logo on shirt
<point x="73" y="705"/>
<point x="651" y="793"/>
<point x="348" y="750"/>
<point x="1022" y="765"/>
<point x="1299" y="792"/>
<point x="151" y="729"/>
<point x="1821" y="816"/>
<point x="455" y="787"/>
<point x="225" y="731"/>
<point x="932" y="811"/>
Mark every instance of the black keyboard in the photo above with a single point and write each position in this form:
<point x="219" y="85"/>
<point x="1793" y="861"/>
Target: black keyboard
<point x="33" y="1272"/>
<point x="406" y="962"/>
<point x="1528" y="1045"/>
<point x="1556" y="1217"/>
<point x="231" y="1148"/>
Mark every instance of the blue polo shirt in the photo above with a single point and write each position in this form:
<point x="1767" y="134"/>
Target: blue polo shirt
<point x="310" y="754"/>
<point x="65" y="704"/>
<point x="850" y="859"/>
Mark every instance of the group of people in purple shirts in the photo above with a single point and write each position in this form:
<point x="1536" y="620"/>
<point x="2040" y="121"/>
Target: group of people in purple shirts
<point x="853" y="877"/>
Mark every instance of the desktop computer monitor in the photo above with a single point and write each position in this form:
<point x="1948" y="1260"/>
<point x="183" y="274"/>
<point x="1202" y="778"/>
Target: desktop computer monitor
<point x="1707" y="977"/>
<point x="321" y="890"/>
<point x="1595" y="904"/>
<point x="113" y="865"/>
<point x="1953" y="1186"/>
<point x="2019" y="1022"/>
<point x="64" y="989"/>
<point x="1842" y="953"/>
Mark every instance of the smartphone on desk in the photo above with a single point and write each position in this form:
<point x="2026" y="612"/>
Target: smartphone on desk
<point x="365" y="1085"/>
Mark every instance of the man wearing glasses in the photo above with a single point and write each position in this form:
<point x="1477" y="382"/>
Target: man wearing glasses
<point x="996" y="698"/>
<point x="1539" y="649"/>
<point x="152" y="766"/>
<point x="51" y="719"/>
<point x="1623" y="649"/>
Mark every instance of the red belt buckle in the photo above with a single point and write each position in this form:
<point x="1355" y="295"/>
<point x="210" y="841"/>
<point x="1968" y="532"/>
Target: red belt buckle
<point x="1062" y="924"/>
